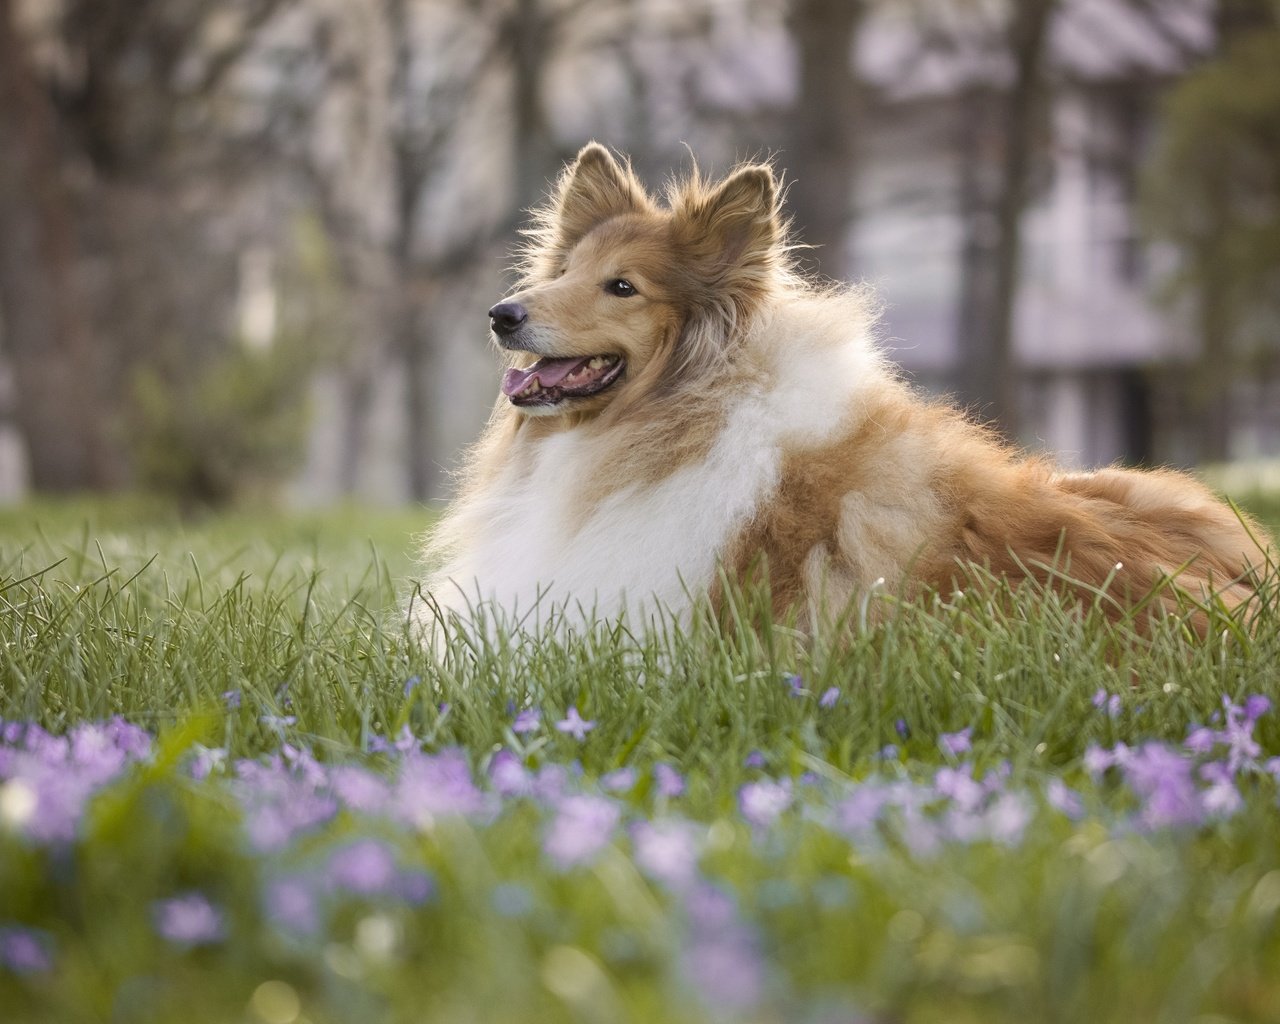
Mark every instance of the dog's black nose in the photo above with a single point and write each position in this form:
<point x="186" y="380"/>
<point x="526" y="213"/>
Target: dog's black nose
<point x="507" y="318"/>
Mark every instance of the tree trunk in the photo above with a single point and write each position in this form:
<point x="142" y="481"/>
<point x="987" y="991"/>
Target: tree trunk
<point x="824" y="128"/>
<point x="978" y="136"/>
<point x="1217" y="364"/>
<point x="529" y="31"/>
<point x="989" y="377"/>
<point x="46" y="334"/>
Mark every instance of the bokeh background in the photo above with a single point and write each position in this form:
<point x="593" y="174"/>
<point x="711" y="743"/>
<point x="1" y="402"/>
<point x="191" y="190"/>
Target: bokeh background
<point x="246" y="246"/>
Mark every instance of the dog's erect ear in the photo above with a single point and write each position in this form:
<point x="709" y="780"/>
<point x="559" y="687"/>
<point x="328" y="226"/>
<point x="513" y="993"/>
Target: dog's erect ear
<point x="741" y="215"/>
<point x="594" y="188"/>
<point x="733" y="229"/>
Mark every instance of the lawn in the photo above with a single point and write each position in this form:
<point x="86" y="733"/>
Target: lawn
<point x="233" y="788"/>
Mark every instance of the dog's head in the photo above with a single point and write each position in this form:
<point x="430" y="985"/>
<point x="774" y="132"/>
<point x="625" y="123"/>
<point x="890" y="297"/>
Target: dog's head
<point x="622" y="297"/>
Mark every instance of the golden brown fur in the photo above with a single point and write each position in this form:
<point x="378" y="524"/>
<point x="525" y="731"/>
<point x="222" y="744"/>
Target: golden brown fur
<point x="847" y="477"/>
<point x="917" y="496"/>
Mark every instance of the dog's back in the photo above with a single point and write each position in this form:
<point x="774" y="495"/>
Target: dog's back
<point x="918" y="497"/>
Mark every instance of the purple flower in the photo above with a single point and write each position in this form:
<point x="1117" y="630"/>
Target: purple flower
<point x="1162" y="779"/>
<point x="795" y="685"/>
<point x="1221" y="799"/>
<point x="1256" y="706"/>
<point x="94" y="750"/>
<point x="619" y="781"/>
<point x="1201" y="740"/>
<point x="666" y="850"/>
<point x="861" y="809"/>
<point x="188" y="920"/>
<point x="1007" y="818"/>
<point x="669" y="782"/>
<point x="25" y="950"/>
<point x="1242" y="748"/>
<point x="1063" y="799"/>
<point x="527" y="721"/>
<point x="755" y="759"/>
<point x="278" y="723"/>
<point x="959" y="786"/>
<point x="1097" y="760"/>
<point x="508" y="776"/>
<point x="411" y="684"/>
<point x="359" y="789"/>
<point x="1108" y="702"/>
<point x="954" y="744"/>
<point x="582" y="827"/>
<point x="231" y="699"/>
<point x="552" y="783"/>
<point x="575" y="725"/>
<point x="404" y="742"/>
<point x="133" y="741"/>
<point x="279" y="803"/>
<point x="761" y="803"/>
<point x="367" y="867"/>
<point x="302" y="764"/>
<point x="829" y="697"/>
<point x="436" y="785"/>
<point x="996" y="778"/>
<point x="901" y="728"/>
<point x="47" y="781"/>
<point x="291" y="904"/>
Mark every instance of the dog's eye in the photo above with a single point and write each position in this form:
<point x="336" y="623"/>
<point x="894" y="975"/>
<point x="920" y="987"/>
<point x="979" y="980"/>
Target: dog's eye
<point x="620" y="287"/>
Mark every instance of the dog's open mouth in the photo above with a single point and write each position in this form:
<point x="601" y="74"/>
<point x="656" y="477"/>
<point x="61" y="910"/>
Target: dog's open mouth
<point x="550" y="381"/>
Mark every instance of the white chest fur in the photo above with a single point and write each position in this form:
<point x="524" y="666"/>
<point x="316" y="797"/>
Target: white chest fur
<point x="534" y="547"/>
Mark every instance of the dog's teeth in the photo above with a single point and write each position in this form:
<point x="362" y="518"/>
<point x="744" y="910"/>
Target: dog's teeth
<point x="596" y="363"/>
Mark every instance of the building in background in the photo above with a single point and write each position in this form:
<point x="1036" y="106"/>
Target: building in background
<point x="1096" y="354"/>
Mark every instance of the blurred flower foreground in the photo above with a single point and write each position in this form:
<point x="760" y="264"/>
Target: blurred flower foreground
<point x="125" y="859"/>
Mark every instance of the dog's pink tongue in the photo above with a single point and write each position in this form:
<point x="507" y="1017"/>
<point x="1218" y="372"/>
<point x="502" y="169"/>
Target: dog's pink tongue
<point x="549" y="372"/>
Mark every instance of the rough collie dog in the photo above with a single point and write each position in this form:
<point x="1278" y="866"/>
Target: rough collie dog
<point x="679" y="404"/>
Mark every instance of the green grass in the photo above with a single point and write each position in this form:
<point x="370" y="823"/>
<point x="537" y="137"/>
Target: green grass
<point x="123" y="609"/>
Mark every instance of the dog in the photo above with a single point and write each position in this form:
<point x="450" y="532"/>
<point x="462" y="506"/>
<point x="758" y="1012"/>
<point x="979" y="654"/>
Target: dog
<point x="680" y="406"/>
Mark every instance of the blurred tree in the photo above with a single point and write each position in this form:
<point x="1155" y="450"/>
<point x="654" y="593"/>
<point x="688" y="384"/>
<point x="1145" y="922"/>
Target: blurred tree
<point x="1213" y="191"/>
<point x="527" y="39"/>
<point x="111" y="108"/>
<point x="45" y="330"/>
<point x="429" y="112"/>
<point x="823" y="127"/>
<point x="998" y="141"/>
